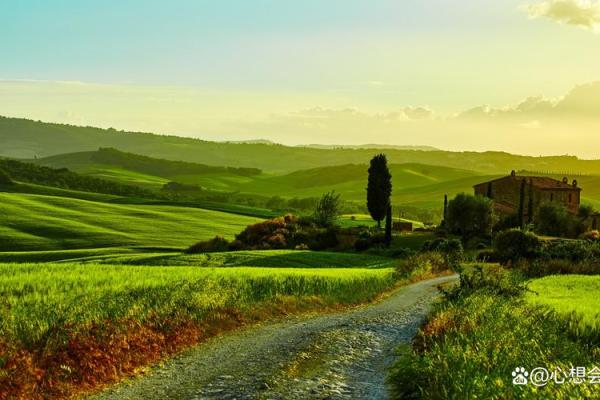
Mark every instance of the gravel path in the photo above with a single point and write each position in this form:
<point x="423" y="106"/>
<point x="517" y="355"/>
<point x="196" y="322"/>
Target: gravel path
<point x="334" y="356"/>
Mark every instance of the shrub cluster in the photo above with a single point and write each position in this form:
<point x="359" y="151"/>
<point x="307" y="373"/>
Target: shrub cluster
<point x="287" y="232"/>
<point x="423" y="265"/>
<point x="554" y="220"/>
<point x="450" y="249"/>
<point x="514" y="244"/>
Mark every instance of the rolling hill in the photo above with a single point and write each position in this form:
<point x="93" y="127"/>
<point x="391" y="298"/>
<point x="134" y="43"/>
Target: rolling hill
<point x="349" y="179"/>
<point x="21" y="138"/>
<point x="40" y="222"/>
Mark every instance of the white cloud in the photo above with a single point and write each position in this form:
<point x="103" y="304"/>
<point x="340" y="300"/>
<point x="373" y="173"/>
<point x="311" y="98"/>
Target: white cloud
<point x="581" y="13"/>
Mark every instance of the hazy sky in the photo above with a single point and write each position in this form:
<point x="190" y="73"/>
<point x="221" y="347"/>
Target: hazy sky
<point x="327" y="71"/>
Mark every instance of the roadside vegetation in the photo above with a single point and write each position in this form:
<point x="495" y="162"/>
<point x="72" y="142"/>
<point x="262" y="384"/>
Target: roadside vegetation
<point x="482" y="331"/>
<point x="67" y="327"/>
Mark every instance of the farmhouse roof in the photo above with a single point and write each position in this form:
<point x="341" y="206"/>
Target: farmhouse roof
<point x="541" y="182"/>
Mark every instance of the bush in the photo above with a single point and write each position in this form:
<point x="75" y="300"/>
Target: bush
<point x="544" y="267"/>
<point x="487" y="256"/>
<point x="493" y="279"/>
<point x="573" y="250"/>
<point x="469" y="216"/>
<point x="450" y="249"/>
<point x="276" y="231"/>
<point x="422" y="265"/>
<point x="507" y="222"/>
<point x="552" y="219"/>
<point x="216" y="244"/>
<point x="514" y="244"/>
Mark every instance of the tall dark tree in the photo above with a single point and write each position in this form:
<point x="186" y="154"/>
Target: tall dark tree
<point x="445" y="215"/>
<point x="379" y="188"/>
<point x="530" y="203"/>
<point x="388" y="226"/>
<point x="521" y="210"/>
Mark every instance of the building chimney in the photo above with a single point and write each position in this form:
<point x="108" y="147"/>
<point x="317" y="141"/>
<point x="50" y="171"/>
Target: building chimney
<point x="565" y="180"/>
<point x="513" y="173"/>
<point x="574" y="183"/>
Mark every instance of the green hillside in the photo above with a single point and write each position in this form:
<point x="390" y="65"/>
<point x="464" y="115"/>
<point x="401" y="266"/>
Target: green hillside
<point x="23" y="138"/>
<point x="38" y="222"/>
<point x="349" y="179"/>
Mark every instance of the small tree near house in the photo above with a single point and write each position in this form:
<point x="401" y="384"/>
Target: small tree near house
<point x="470" y="216"/>
<point x="327" y="209"/>
<point x="379" y="188"/>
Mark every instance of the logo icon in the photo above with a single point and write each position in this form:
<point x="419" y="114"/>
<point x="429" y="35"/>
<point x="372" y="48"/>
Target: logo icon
<point x="520" y="376"/>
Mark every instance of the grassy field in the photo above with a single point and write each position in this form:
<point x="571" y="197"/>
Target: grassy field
<point x="39" y="222"/>
<point x="568" y="294"/>
<point x="68" y="326"/>
<point x="475" y="339"/>
<point x="250" y="258"/>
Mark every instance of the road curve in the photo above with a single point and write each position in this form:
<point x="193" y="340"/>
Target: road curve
<point x="333" y="356"/>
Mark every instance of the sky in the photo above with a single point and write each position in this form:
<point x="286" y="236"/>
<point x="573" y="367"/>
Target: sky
<point x="511" y="75"/>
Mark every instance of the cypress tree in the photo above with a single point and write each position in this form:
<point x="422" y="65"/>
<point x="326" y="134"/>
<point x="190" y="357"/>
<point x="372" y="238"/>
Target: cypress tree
<point x="388" y="226"/>
<point x="521" y="204"/>
<point x="445" y="209"/>
<point x="379" y="188"/>
<point x="530" y="203"/>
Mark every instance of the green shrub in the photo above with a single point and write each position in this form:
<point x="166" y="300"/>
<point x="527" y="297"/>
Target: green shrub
<point x="514" y="244"/>
<point x="545" y="267"/>
<point x="216" y="244"/>
<point x="470" y="216"/>
<point x="487" y="256"/>
<point x="552" y="219"/>
<point x="573" y="250"/>
<point x="451" y="249"/>
<point x="422" y="265"/>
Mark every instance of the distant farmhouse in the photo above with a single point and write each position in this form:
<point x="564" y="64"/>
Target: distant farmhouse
<point x="506" y="193"/>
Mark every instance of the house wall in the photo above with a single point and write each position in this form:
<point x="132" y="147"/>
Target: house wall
<point x="508" y="191"/>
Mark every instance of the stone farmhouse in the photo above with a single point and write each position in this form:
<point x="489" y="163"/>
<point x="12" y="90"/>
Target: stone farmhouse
<point x="506" y="193"/>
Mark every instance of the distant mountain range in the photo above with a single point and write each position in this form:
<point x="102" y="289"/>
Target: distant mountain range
<point x="370" y="146"/>
<point x="27" y="139"/>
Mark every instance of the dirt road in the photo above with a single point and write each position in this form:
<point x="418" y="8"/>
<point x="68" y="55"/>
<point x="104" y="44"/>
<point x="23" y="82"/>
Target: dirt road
<point x="334" y="356"/>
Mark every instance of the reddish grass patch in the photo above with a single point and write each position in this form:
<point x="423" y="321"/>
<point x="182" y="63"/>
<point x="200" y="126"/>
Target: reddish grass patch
<point x="99" y="354"/>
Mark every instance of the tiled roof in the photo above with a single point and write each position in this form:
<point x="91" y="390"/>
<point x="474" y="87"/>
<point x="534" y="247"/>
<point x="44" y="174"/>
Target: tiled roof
<point x="541" y="182"/>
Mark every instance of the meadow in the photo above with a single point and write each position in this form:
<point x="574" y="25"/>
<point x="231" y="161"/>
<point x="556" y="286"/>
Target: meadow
<point x="40" y="222"/>
<point x="568" y="294"/>
<point x="65" y="327"/>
